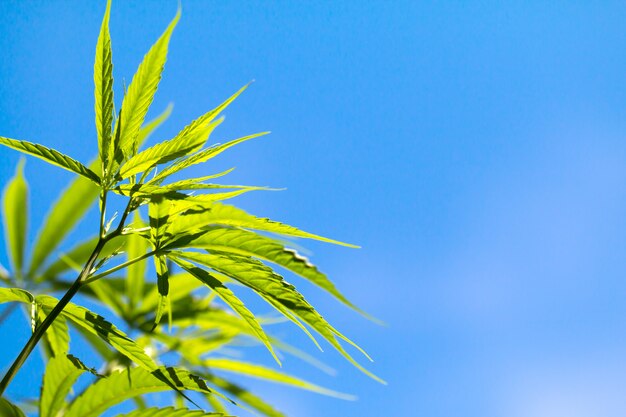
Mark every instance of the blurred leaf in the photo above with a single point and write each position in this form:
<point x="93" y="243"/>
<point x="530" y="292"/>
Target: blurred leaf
<point x="7" y="409"/>
<point x="258" y="371"/>
<point x="16" y="217"/>
<point x="68" y="210"/>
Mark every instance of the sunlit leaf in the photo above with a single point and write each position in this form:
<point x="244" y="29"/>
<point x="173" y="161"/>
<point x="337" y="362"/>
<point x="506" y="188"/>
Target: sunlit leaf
<point x="96" y="324"/>
<point x="103" y="80"/>
<point x="51" y="156"/>
<point x="200" y="157"/>
<point x="230" y="299"/>
<point x="242" y="242"/>
<point x="161" y="153"/>
<point x="121" y="386"/>
<point x="169" y="412"/>
<point x="61" y="373"/>
<point x="140" y="95"/>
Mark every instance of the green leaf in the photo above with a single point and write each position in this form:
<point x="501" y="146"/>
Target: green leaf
<point x="245" y="243"/>
<point x="181" y="286"/>
<point x="97" y="325"/>
<point x="8" y="409"/>
<point x="274" y="288"/>
<point x="261" y="372"/>
<point x="57" y="335"/>
<point x="140" y="95"/>
<point x="51" y="156"/>
<point x="8" y="295"/>
<point x="200" y="157"/>
<point x="222" y="214"/>
<point x="61" y="373"/>
<point x="243" y="395"/>
<point x="147" y="129"/>
<point x="230" y="299"/>
<point x="103" y="80"/>
<point x="169" y="412"/>
<point x="68" y="210"/>
<point x="121" y="386"/>
<point x="158" y="213"/>
<point x="183" y="144"/>
<point x="163" y="286"/>
<point x="16" y="217"/>
<point x="137" y="246"/>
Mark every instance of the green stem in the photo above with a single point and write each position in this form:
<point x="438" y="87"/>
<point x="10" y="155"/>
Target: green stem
<point x="41" y="329"/>
<point x="117" y="268"/>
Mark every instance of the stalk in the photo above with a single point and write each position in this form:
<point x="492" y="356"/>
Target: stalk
<point x="67" y="297"/>
<point x="41" y="329"/>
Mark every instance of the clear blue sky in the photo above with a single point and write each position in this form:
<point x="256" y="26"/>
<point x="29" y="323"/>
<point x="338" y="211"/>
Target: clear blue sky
<point x="476" y="150"/>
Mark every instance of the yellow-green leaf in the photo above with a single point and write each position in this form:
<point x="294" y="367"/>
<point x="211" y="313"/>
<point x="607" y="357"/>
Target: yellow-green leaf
<point x="121" y="386"/>
<point x="15" y="206"/>
<point x="103" y="93"/>
<point x="61" y="373"/>
<point x="68" y="210"/>
<point x="230" y="299"/>
<point x="51" y="156"/>
<point x="262" y="372"/>
<point x="140" y="95"/>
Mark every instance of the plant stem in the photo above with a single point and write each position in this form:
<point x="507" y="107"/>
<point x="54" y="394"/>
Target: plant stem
<point x="41" y="329"/>
<point x="117" y="268"/>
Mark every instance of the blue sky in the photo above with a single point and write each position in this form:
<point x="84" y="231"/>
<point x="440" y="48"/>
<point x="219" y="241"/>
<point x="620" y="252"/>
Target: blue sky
<point x="476" y="150"/>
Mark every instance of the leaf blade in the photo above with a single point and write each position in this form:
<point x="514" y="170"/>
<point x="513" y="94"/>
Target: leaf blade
<point x="51" y="156"/>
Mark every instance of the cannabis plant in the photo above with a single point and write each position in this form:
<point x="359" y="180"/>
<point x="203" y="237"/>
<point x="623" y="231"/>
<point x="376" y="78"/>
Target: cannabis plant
<point x="170" y="331"/>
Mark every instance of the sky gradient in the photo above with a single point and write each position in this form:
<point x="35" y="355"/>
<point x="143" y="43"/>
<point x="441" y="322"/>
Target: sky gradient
<point x="475" y="150"/>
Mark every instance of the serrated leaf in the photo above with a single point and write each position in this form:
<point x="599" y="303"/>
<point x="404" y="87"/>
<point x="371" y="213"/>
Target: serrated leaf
<point x="98" y="325"/>
<point x="183" y="144"/>
<point x="57" y="335"/>
<point x="262" y="372"/>
<point x="230" y="299"/>
<point x="15" y="204"/>
<point x="68" y="210"/>
<point x="245" y="243"/>
<point x="199" y="157"/>
<point x="147" y="129"/>
<point x="223" y="214"/>
<point x="140" y="95"/>
<point x="272" y="286"/>
<point x="8" y="409"/>
<point x="61" y="373"/>
<point x="103" y="93"/>
<point x="171" y="191"/>
<point x="121" y="386"/>
<point x="51" y="156"/>
<point x="169" y="412"/>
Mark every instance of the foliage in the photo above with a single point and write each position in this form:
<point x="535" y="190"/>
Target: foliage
<point x="170" y="332"/>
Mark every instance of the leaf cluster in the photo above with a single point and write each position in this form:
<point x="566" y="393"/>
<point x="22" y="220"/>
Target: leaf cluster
<point x="175" y="327"/>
